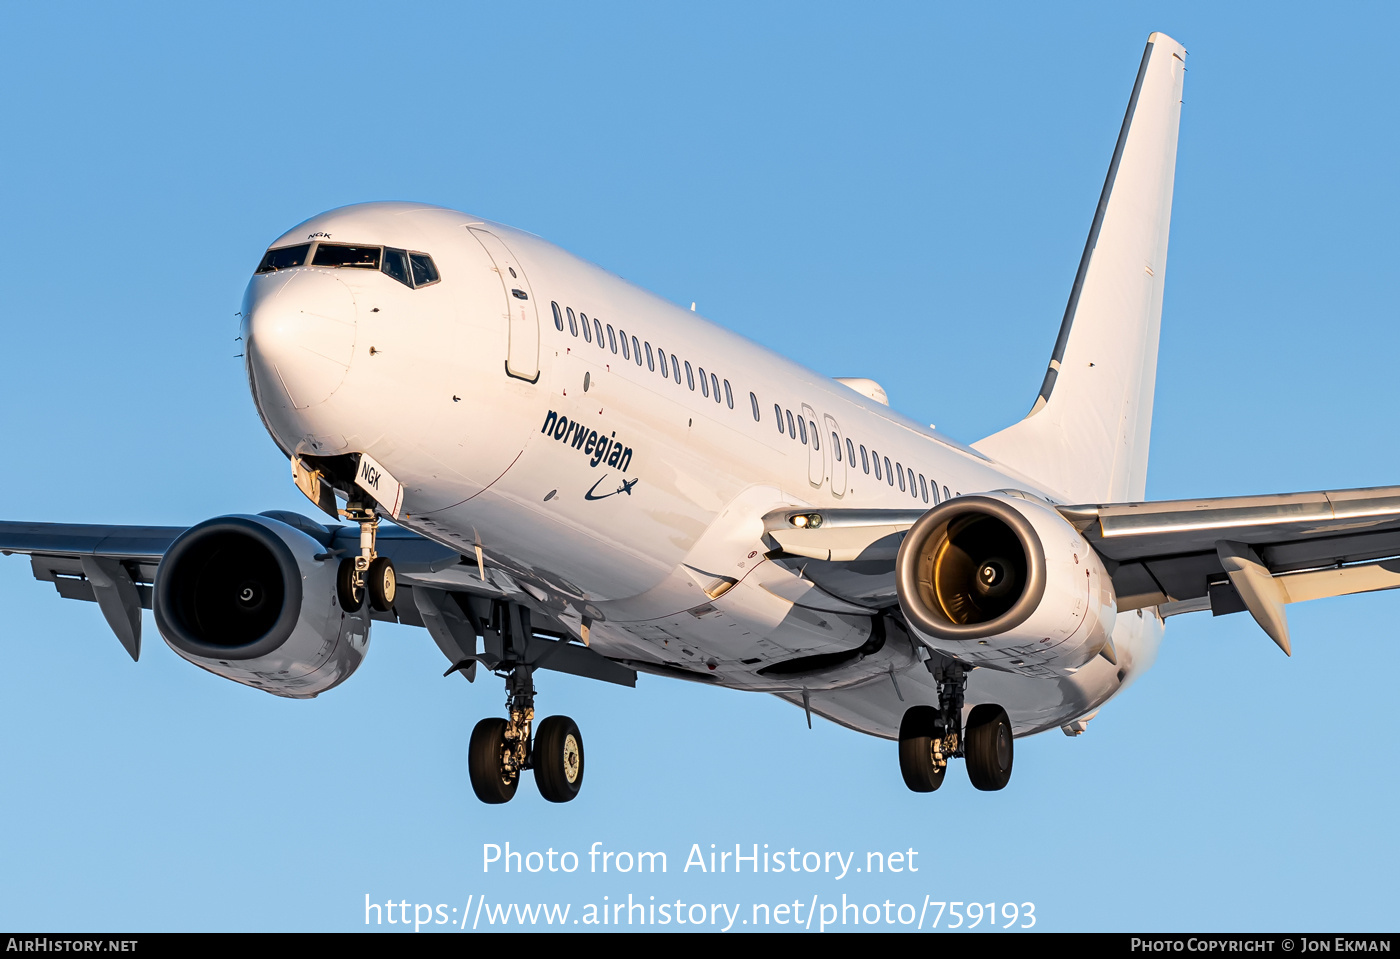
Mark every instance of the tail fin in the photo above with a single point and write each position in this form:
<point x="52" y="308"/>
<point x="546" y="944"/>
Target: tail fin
<point x="1087" y="435"/>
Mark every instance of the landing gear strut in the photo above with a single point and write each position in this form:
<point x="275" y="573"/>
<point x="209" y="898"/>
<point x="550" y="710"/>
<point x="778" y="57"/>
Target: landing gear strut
<point x="501" y="749"/>
<point x="929" y="737"/>
<point x="369" y="573"/>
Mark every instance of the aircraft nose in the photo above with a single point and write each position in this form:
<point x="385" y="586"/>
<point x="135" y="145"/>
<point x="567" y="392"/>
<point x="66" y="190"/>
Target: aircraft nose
<point x="299" y="333"/>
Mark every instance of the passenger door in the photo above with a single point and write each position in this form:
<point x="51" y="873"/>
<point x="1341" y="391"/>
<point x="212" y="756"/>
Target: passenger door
<point x="522" y="317"/>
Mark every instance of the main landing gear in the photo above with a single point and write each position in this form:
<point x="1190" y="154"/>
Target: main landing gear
<point x="369" y="574"/>
<point x="501" y="749"/>
<point x="929" y="737"/>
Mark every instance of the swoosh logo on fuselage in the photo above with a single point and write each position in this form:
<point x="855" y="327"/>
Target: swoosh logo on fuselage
<point x="626" y="487"/>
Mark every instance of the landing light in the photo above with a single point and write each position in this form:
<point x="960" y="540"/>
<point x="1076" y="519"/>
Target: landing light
<point x="806" y="520"/>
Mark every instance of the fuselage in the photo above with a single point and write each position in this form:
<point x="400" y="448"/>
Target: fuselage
<point x="612" y="455"/>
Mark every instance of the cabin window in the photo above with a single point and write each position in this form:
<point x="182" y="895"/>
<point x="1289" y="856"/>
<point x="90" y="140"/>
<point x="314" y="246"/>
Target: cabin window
<point x="622" y="334"/>
<point x="573" y="325"/>
<point x="284" y="258"/>
<point x="675" y="368"/>
<point x="899" y="471"/>
<point x="865" y="463"/>
<point x="396" y="265"/>
<point x="661" y="358"/>
<point x="728" y="395"/>
<point x="612" y="339"/>
<point x="816" y="436"/>
<point x="637" y="351"/>
<point x="689" y="376"/>
<point x="792" y="430"/>
<point x="425" y="271"/>
<point x="714" y="385"/>
<point x="802" y="429"/>
<point x="850" y="452"/>
<point x="558" y="317"/>
<point x="876" y="456"/>
<point x="583" y="322"/>
<point x="704" y="383"/>
<point x="778" y="415"/>
<point x="889" y="476"/>
<point x="754" y="400"/>
<point x="351" y="257"/>
<point x="651" y="363"/>
<point x="923" y="487"/>
<point x="912" y="490"/>
<point x="836" y="446"/>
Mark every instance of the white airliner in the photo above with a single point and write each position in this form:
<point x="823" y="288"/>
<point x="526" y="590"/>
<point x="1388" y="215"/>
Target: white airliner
<point x="584" y="477"/>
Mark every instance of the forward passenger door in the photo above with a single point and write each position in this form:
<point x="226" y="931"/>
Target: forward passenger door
<point x="522" y="316"/>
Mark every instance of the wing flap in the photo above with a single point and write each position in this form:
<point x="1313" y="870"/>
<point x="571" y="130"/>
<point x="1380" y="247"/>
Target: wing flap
<point x="1259" y="553"/>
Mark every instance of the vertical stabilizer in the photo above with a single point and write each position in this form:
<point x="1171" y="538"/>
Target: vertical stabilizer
<point x="1087" y="435"/>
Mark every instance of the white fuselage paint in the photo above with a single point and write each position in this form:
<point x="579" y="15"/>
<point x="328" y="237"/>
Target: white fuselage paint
<point x="644" y="539"/>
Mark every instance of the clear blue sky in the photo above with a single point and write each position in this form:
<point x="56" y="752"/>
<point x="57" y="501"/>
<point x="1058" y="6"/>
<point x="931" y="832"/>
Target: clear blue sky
<point x="894" y="191"/>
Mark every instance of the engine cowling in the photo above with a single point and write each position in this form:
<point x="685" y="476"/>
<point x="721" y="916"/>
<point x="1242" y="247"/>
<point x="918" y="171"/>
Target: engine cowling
<point x="1005" y="582"/>
<point x="253" y="599"/>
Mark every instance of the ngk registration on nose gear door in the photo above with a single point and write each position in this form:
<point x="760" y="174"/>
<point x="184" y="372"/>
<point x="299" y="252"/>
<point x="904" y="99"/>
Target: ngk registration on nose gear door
<point x="523" y="354"/>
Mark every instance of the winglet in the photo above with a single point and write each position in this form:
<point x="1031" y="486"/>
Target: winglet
<point x="1263" y="595"/>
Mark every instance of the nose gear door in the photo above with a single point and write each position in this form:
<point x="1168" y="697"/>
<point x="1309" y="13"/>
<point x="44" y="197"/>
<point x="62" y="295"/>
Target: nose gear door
<point x="522" y="317"/>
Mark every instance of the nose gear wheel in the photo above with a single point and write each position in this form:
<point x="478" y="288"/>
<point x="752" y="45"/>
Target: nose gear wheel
<point x="369" y="575"/>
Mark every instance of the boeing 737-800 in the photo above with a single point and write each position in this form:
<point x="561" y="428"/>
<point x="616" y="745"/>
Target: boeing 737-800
<point x="584" y="477"/>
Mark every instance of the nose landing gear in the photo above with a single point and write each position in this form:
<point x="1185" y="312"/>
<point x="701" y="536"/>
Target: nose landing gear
<point x="369" y="574"/>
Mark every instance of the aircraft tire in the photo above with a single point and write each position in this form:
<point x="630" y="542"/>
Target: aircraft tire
<point x="383" y="585"/>
<point x="916" y="734"/>
<point x="351" y="597"/>
<point x="484" y="752"/>
<point x="557" y="755"/>
<point x="989" y="747"/>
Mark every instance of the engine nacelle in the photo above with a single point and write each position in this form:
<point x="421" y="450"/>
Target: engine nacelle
<point x="253" y="599"/>
<point x="998" y="581"/>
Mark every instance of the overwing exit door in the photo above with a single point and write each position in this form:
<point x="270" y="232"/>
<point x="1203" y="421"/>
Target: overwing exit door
<point x="838" y="458"/>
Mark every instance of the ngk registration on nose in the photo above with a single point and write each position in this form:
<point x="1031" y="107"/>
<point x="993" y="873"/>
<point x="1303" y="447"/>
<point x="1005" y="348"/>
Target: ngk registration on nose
<point x="379" y="483"/>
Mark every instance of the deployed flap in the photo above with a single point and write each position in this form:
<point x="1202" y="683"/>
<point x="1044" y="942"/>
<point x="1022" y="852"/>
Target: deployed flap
<point x="1086" y="437"/>
<point x="454" y="635"/>
<point x="1187" y="555"/>
<point x="1263" y="596"/>
<point x="117" y="598"/>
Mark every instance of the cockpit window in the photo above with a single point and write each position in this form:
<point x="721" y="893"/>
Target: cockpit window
<point x="283" y="258"/>
<point x="424" y="270"/>
<point x="396" y="264"/>
<point x="355" y="257"/>
<point x="410" y="269"/>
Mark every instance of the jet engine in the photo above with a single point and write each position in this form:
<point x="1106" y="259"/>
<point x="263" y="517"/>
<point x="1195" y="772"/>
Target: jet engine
<point x="253" y="599"/>
<point x="1002" y="581"/>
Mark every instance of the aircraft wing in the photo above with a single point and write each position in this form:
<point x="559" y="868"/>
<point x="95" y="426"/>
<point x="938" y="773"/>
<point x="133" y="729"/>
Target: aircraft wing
<point x="115" y="567"/>
<point x="1228" y="554"/>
